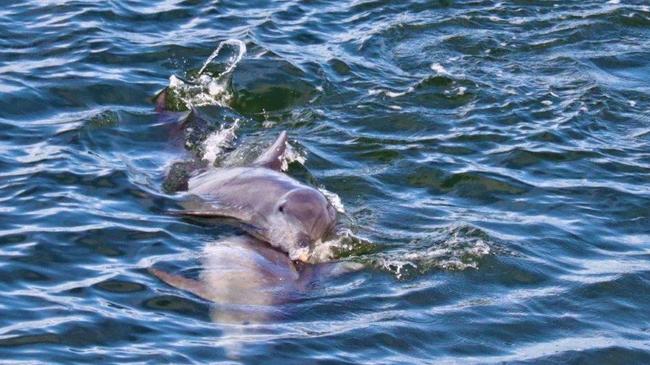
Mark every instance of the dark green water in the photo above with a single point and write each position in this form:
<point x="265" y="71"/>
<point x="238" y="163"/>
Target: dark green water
<point x="492" y="158"/>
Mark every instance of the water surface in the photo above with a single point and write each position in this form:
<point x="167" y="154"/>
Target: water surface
<point x="492" y="159"/>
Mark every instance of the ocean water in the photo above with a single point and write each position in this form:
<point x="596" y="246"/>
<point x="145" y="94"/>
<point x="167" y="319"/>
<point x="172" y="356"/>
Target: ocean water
<point x="490" y="161"/>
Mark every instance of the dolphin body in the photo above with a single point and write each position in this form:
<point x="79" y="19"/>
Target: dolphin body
<point x="248" y="277"/>
<point x="244" y="277"/>
<point x="250" y="285"/>
<point x="268" y="204"/>
<point x="248" y="280"/>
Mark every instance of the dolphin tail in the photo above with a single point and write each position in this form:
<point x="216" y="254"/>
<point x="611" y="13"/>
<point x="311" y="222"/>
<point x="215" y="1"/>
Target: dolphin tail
<point x="193" y="286"/>
<point x="272" y="157"/>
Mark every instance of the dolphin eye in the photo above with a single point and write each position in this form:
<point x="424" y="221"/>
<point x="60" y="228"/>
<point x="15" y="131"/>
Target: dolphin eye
<point x="281" y="208"/>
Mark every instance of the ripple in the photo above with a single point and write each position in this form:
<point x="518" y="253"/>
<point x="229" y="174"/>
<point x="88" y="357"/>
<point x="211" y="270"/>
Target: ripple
<point x="491" y="159"/>
<point x="455" y="248"/>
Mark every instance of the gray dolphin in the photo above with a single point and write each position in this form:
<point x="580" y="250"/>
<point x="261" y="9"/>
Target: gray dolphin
<point x="245" y="277"/>
<point x="248" y="279"/>
<point x="249" y="283"/>
<point x="267" y="203"/>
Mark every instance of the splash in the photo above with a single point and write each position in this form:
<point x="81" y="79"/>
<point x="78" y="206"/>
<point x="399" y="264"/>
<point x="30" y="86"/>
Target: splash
<point x="334" y="199"/>
<point x="205" y="88"/>
<point x="439" y="69"/>
<point x="345" y="245"/>
<point x="454" y="248"/>
<point x="218" y="141"/>
<point x="241" y="46"/>
<point x="292" y="155"/>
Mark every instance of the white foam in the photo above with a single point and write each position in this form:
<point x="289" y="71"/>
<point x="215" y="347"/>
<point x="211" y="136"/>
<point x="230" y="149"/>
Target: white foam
<point x="439" y="69"/>
<point x="399" y="268"/>
<point x="325" y="251"/>
<point x="460" y="248"/>
<point x="334" y="199"/>
<point x="390" y="94"/>
<point x="175" y="82"/>
<point x="290" y="155"/>
<point x="206" y="89"/>
<point x="218" y="141"/>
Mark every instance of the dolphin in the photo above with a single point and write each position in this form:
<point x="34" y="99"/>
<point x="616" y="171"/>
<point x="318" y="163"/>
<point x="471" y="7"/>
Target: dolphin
<point x="265" y="202"/>
<point x="268" y="204"/>
<point x="249" y="284"/>
<point x="250" y="277"/>
<point x="249" y="280"/>
<point x="245" y="277"/>
<point x="188" y="132"/>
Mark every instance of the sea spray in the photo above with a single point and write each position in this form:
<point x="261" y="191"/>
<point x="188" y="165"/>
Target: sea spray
<point x="204" y="88"/>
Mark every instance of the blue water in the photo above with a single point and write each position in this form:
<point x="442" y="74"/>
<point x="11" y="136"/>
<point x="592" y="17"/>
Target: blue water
<point x="492" y="159"/>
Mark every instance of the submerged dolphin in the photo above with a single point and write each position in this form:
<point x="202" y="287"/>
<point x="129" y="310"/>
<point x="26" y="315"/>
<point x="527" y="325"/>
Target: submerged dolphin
<point x="250" y="284"/>
<point x="245" y="277"/>
<point x="249" y="280"/>
<point x="268" y="204"/>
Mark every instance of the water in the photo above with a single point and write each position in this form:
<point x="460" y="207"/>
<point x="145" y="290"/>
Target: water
<point x="492" y="159"/>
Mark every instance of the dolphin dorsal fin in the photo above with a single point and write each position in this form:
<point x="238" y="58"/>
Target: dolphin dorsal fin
<point x="272" y="157"/>
<point x="161" y="100"/>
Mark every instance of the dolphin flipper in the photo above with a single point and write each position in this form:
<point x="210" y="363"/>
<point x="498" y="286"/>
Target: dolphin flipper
<point x="193" y="286"/>
<point x="244" y="220"/>
<point x="214" y="213"/>
<point x="196" y="206"/>
<point x="272" y="157"/>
